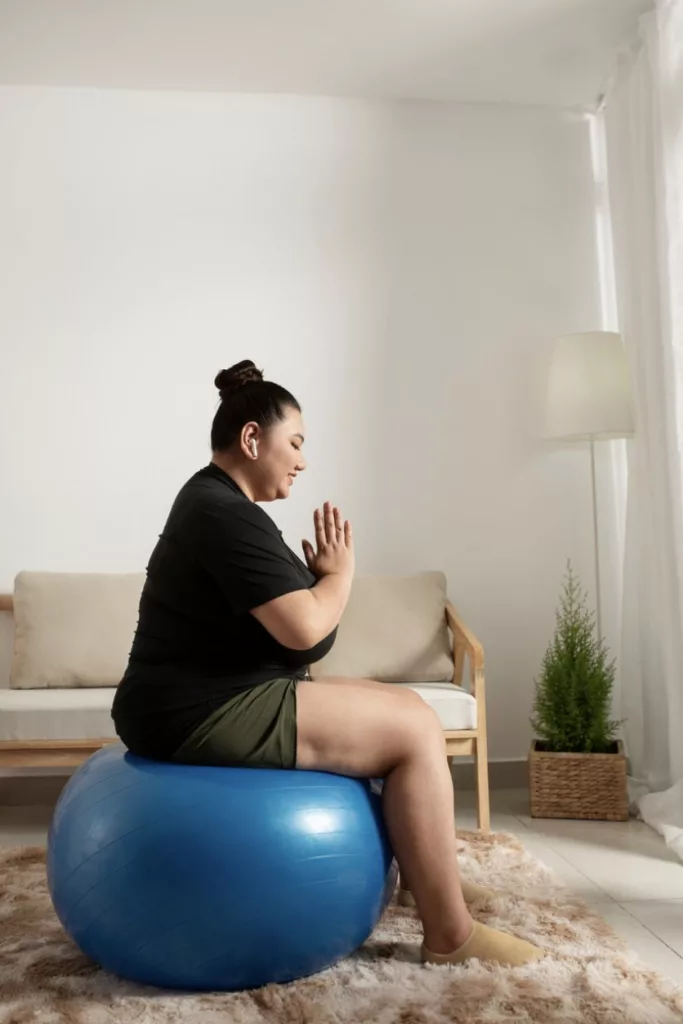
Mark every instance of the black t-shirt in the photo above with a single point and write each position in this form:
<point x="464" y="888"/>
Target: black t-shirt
<point x="196" y="645"/>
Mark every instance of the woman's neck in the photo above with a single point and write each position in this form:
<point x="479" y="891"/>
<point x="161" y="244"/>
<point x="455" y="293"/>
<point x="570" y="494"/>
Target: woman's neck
<point x="229" y="465"/>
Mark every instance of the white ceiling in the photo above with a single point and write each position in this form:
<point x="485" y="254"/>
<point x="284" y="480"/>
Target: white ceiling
<point x="557" y="52"/>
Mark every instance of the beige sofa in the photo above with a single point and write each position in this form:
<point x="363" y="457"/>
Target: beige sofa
<point x="70" y="635"/>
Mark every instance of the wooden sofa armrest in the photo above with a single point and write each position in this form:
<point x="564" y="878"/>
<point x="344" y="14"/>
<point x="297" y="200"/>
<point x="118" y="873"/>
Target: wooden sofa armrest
<point x="6" y="603"/>
<point x="463" y="637"/>
<point x="465" y="644"/>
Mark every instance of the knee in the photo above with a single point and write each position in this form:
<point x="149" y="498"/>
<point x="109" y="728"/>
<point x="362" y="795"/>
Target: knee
<point x="432" y="721"/>
<point x="425" y="725"/>
<point x="409" y="699"/>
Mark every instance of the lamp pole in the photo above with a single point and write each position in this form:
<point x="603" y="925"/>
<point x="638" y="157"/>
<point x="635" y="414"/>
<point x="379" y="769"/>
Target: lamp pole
<point x="596" y="546"/>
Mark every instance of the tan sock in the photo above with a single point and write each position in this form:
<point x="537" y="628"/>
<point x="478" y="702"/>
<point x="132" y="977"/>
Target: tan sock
<point x="472" y="893"/>
<point x="489" y="945"/>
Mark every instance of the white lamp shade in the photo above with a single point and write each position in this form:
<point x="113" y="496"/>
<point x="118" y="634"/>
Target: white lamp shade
<point x="588" y="389"/>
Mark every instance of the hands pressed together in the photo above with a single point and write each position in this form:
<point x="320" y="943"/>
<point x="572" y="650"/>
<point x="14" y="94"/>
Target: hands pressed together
<point x="333" y="553"/>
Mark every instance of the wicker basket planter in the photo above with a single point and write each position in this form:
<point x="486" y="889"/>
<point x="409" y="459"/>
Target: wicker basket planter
<point x="588" y="786"/>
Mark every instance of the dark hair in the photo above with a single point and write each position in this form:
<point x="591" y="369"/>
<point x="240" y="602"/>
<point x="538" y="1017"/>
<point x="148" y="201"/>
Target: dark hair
<point x="246" y="397"/>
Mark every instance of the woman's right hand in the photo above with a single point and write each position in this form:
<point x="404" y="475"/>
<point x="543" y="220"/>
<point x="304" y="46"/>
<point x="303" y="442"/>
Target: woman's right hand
<point x="334" y="553"/>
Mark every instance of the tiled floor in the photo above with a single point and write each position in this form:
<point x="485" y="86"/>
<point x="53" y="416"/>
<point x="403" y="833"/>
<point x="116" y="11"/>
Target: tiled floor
<point x="624" y="870"/>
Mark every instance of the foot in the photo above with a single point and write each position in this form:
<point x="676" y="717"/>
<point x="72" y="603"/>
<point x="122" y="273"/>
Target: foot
<point x="489" y="945"/>
<point x="472" y="893"/>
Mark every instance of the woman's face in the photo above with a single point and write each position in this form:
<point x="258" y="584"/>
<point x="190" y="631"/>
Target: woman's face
<point x="279" y="456"/>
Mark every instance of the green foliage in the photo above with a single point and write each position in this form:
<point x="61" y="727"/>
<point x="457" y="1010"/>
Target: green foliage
<point x="574" y="692"/>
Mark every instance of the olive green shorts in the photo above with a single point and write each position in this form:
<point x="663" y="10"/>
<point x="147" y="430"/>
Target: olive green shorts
<point x="254" y="729"/>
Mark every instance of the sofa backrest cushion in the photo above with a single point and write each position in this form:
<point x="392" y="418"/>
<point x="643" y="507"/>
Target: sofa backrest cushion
<point x="393" y="629"/>
<point x="73" y="629"/>
<point x="76" y="629"/>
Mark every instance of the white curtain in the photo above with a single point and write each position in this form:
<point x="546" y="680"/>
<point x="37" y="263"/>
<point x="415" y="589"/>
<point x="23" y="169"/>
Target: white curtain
<point x="643" y="121"/>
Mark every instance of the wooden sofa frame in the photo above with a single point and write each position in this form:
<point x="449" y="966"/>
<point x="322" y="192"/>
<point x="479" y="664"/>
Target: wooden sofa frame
<point x="460" y="743"/>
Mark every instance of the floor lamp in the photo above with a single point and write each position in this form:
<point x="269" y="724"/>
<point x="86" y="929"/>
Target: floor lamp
<point x="588" y="398"/>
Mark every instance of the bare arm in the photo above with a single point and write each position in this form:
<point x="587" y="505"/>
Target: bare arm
<point x="302" y="619"/>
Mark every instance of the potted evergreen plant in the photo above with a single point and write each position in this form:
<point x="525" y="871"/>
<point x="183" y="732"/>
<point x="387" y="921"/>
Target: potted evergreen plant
<point x="577" y="766"/>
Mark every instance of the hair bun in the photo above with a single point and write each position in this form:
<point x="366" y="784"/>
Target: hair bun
<point x="231" y="380"/>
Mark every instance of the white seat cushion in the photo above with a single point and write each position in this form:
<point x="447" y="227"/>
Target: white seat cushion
<point x="456" y="708"/>
<point x="85" y="713"/>
<point x="70" y="714"/>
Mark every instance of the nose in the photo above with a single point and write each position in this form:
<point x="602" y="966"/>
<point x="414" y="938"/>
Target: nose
<point x="301" y="463"/>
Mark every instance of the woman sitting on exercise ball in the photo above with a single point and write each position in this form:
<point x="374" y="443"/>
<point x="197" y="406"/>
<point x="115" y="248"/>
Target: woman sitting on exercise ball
<point x="231" y="619"/>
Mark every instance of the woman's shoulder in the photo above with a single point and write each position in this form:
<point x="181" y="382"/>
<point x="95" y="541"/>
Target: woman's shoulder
<point x="209" y="499"/>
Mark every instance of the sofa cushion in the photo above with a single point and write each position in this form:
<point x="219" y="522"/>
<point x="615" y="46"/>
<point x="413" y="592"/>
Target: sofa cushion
<point x="73" y="629"/>
<point x="455" y="707"/>
<point x="73" y="714"/>
<point x="85" y="714"/>
<point x="393" y="629"/>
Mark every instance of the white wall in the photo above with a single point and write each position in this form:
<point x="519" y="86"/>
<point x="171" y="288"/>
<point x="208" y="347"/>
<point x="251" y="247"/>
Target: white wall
<point x="400" y="267"/>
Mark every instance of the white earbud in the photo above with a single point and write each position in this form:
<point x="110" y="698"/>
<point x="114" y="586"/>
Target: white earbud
<point x="254" y="449"/>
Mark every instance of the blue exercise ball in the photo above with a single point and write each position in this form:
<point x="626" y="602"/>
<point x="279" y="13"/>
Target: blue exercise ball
<point x="216" y="878"/>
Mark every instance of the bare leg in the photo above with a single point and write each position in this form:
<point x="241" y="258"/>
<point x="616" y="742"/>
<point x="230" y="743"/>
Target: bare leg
<point x="472" y="893"/>
<point x="370" y="731"/>
<point x="367" y="732"/>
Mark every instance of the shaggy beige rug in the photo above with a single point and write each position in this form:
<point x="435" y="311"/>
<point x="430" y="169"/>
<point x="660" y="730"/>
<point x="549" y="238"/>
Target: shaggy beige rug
<point x="590" y="978"/>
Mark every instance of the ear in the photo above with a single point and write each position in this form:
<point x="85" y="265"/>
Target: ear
<point x="251" y="432"/>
